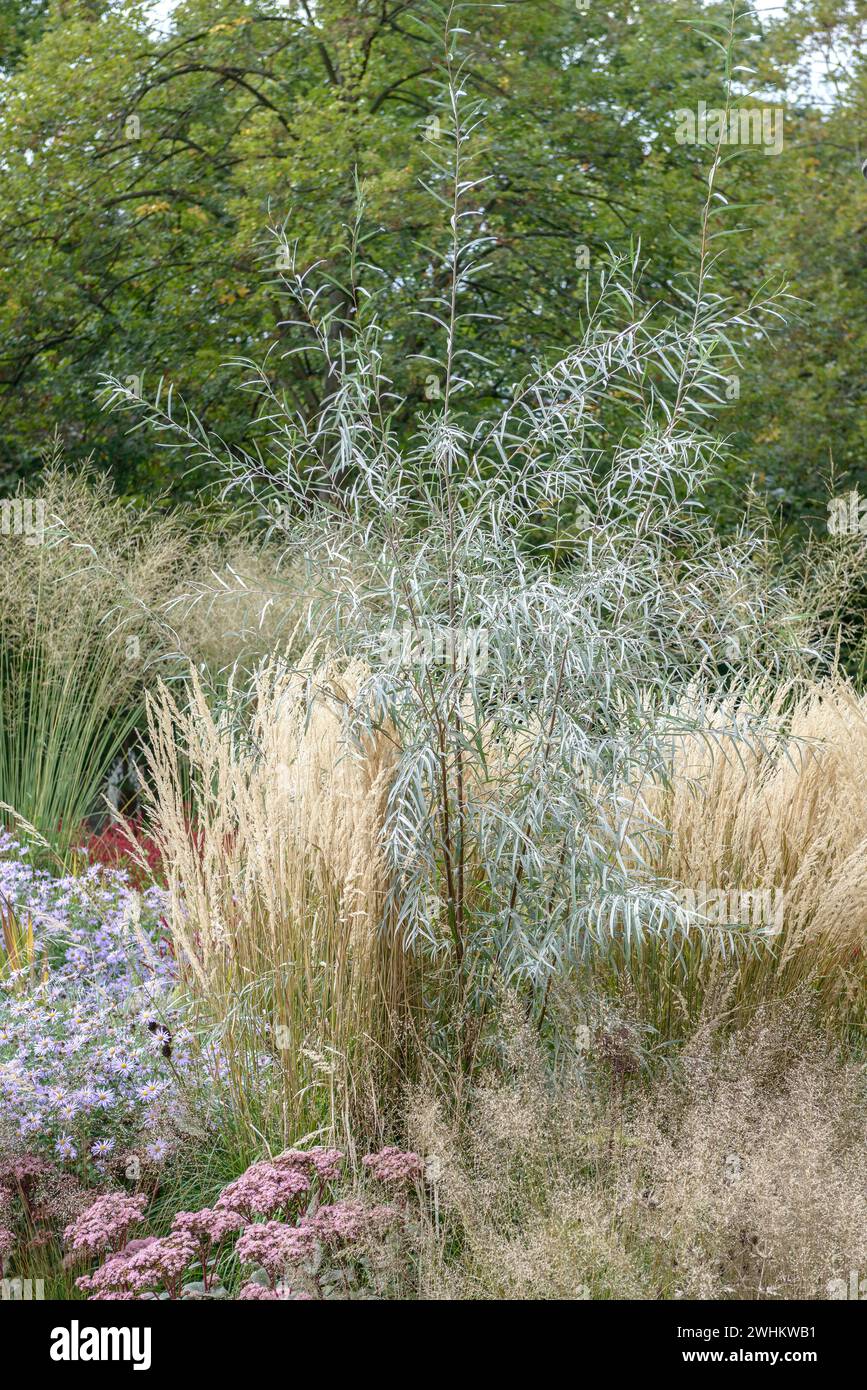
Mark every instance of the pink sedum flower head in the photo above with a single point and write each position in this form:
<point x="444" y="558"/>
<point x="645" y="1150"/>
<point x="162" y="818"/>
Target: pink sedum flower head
<point x="281" y="1293"/>
<point x="105" y="1223"/>
<point x="343" y="1223"/>
<point x="325" y="1163"/>
<point x="264" y="1189"/>
<point x="161" y="1262"/>
<point x="211" y="1225"/>
<point x="393" y="1165"/>
<point x="275" y="1246"/>
<point x="132" y="1247"/>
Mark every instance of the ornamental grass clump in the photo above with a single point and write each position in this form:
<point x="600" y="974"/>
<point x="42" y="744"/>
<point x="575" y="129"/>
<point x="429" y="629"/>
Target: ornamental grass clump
<point x="738" y="1171"/>
<point x="277" y="889"/>
<point x="80" y="628"/>
<point x="788" y="817"/>
<point x="96" y="600"/>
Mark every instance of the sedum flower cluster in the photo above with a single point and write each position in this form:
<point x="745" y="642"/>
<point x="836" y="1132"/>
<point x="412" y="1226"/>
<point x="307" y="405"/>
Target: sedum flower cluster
<point x="280" y="1256"/>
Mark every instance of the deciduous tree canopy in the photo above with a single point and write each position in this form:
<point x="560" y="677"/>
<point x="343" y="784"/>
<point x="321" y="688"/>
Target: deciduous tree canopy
<point x="142" y="167"/>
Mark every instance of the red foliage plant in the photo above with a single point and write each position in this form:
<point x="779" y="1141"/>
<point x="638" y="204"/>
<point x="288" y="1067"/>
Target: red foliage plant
<point x="115" y="846"/>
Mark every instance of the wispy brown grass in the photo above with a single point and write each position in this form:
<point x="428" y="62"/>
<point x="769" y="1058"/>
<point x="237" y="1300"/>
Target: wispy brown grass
<point x="743" y="1176"/>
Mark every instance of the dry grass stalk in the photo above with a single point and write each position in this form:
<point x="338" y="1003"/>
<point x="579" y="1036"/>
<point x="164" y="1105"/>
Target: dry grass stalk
<point x="277" y="885"/>
<point x="745" y="1177"/>
<point x="787" y="813"/>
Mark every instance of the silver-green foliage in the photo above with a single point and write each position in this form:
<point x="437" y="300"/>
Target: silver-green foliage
<point x="593" y="612"/>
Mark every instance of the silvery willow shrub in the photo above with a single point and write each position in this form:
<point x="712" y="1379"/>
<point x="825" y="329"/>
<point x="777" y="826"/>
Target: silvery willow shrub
<point x="538" y="601"/>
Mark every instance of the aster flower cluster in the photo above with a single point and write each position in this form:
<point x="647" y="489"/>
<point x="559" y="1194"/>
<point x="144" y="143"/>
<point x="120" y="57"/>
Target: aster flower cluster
<point x="87" y="1038"/>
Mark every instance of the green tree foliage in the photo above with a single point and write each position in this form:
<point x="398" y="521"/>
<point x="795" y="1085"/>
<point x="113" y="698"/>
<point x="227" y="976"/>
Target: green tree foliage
<point x="143" y="167"/>
<point x="20" y="20"/>
<point x="142" y="171"/>
<point x="803" y="423"/>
